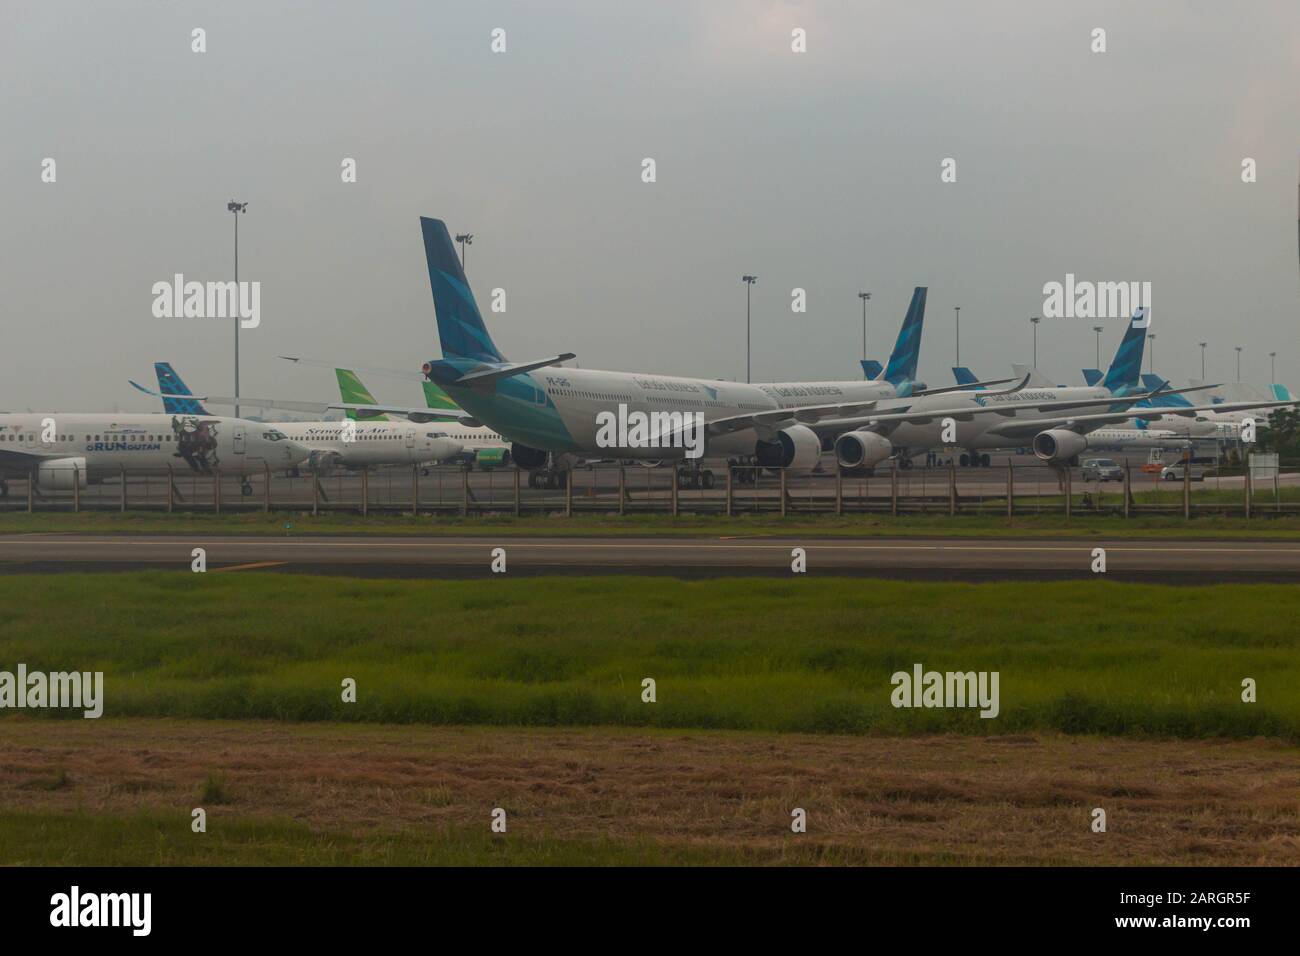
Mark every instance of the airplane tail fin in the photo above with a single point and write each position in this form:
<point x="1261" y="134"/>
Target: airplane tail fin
<point x="353" y="392"/>
<point x="1280" y="392"/>
<point x="871" y="369"/>
<point x="1153" y="382"/>
<point x="1124" y="368"/>
<point x="436" y="398"/>
<point x="460" y="325"/>
<point x="170" y="384"/>
<point x="1033" y="378"/>
<point x="907" y="350"/>
<point x="1091" y="376"/>
<point x="963" y="375"/>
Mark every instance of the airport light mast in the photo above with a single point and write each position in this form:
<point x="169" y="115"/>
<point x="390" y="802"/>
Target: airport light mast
<point x="749" y="284"/>
<point x="1203" y="345"/>
<point x="1033" y="321"/>
<point x="236" y="208"/>
<point x="865" y="297"/>
<point x="1238" y="348"/>
<point x="1097" y="329"/>
<point x="957" y="311"/>
<point x="1272" y="367"/>
<point x="465" y="239"/>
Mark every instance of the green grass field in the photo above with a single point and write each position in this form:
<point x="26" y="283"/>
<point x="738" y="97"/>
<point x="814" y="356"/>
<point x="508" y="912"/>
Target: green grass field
<point x="811" y="655"/>
<point x="968" y="525"/>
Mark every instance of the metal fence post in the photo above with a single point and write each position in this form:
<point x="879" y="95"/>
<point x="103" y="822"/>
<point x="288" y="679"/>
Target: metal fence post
<point x="365" y="490"/>
<point x="315" y="491"/>
<point x="516" y="491"/>
<point x="31" y="490"/>
<point x="266" y="487"/>
<point x="415" y="489"/>
<point x="1011" y="489"/>
<point x="952" y="488"/>
<point x="674" y="486"/>
<point x="1187" y="488"/>
<point x="464" y="492"/>
<point x="730" y="477"/>
<point x="622" y="489"/>
<point x="782" y="492"/>
<point x="1128" y="496"/>
<point x="76" y="488"/>
<point x="171" y="488"/>
<point x="893" y="490"/>
<point x="121" y="470"/>
<point x="839" y="489"/>
<point x="216" y="491"/>
<point x="1250" y="488"/>
<point x="1069" y="487"/>
<point x="568" y="492"/>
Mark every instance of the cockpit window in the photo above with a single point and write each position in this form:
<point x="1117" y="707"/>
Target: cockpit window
<point x="274" y="435"/>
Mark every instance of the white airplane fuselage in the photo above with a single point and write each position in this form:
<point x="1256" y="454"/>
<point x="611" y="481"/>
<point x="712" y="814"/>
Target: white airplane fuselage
<point x="93" y="446"/>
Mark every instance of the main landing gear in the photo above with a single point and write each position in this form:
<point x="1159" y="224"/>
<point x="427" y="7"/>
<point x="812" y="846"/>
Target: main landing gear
<point x="975" y="460"/>
<point x="549" y="479"/>
<point x="693" y="477"/>
<point x="245" y="487"/>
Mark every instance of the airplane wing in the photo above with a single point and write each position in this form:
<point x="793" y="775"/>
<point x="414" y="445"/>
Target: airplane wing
<point x="1086" y="423"/>
<point x="420" y="414"/>
<point x="493" y="373"/>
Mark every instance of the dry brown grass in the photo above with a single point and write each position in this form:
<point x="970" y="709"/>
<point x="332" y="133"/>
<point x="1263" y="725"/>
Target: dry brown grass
<point x="879" y="800"/>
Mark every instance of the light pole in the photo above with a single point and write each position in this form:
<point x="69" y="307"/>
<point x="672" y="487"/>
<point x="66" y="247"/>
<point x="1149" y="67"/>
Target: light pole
<point x="465" y="239"/>
<point x="1238" y="348"/>
<point x="749" y="284"/>
<point x="1152" y="338"/>
<point x="865" y="297"/>
<point x="957" y="325"/>
<point x="1033" y="321"/>
<point x="1097" y="329"/>
<point x="236" y="208"/>
<point x="1203" y="344"/>
<point x="1272" y="367"/>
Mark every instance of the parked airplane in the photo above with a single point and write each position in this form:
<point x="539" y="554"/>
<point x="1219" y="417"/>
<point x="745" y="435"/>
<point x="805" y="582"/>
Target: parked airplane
<point x="349" y="444"/>
<point x="550" y="412"/>
<point x="481" y="447"/>
<point x="63" y="450"/>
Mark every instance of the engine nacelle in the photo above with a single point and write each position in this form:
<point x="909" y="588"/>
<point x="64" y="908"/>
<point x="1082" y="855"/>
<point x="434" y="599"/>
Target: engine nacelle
<point x="529" y="459"/>
<point x="796" y="449"/>
<point x="58" y="474"/>
<point x="862" y="449"/>
<point x="1059" y="445"/>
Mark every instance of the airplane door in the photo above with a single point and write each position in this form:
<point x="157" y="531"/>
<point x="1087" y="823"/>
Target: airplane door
<point x="410" y="438"/>
<point x="239" y="439"/>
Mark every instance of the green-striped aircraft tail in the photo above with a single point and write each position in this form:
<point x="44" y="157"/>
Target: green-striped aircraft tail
<point x="353" y="392"/>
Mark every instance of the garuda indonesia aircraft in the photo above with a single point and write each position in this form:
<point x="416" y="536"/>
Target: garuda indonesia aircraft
<point x="567" y="412"/>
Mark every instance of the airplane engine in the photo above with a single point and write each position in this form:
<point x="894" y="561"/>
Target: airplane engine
<point x="529" y="459"/>
<point x="58" y="474"/>
<point x="862" y="449"/>
<point x="797" y="449"/>
<point x="1059" y="445"/>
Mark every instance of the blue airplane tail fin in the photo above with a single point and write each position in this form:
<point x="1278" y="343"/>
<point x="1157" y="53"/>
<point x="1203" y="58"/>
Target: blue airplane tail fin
<point x="1151" y="383"/>
<point x="1091" y="376"/>
<point x="907" y="350"/>
<point x="1280" y="392"/>
<point x="460" y="325"/>
<point x="1122" y="376"/>
<point x="170" y="384"/>
<point x="871" y="369"/>
<point x="963" y="376"/>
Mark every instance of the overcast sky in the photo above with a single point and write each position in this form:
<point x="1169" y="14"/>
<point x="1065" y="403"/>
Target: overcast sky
<point x="818" y="170"/>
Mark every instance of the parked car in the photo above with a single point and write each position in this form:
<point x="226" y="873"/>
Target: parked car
<point x="1174" y="472"/>
<point x="1101" y="469"/>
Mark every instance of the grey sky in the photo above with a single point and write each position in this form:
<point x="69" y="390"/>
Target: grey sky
<point x="817" y="170"/>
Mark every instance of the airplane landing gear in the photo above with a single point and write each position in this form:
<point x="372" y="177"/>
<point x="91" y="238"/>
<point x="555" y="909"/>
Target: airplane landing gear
<point x="245" y="487"/>
<point x="693" y="477"/>
<point x="549" y="479"/>
<point x="4" y="488"/>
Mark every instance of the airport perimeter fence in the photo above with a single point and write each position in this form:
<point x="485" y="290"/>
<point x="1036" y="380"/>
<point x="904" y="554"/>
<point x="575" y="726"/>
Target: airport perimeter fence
<point x="610" y="489"/>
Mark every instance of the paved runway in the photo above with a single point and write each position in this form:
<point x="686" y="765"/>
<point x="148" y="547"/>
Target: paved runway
<point x="1173" y="560"/>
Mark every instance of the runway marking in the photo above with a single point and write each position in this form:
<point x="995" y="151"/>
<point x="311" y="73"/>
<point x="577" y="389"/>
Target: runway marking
<point x="249" y="567"/>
